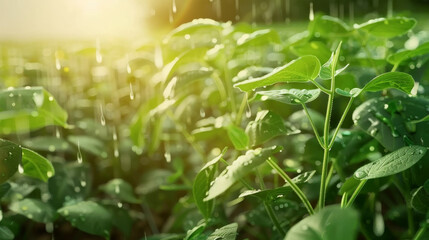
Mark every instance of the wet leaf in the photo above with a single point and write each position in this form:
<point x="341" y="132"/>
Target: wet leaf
<point x="387" y="27"/>
<point x="228" y="232"/>
<point x="302" y="69"/>
<point x="27" y="109"/>
<point x="10" y="158"/>
<point x="36" y="166"/>
<point x="392" y="163"/>
<point x="266" y="125"/>
<point x="404" y="54"/>
<point x="121" y="190"/>
<point x="288" y="96"/>
<point x="89" y="217"/>
<point x="327" y="26"/>
<point x="243" y="165"/>
<point x="238" y="137"/>
<point x="332" y="222"/>
<point x="35" y="210"/>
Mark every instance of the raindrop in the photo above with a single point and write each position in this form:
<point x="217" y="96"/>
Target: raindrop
<point x="20" y="169"/>
<point x="174" y="8"/>
<point x="98" y="56"/>
<point x="131" y="92"/>
<point x="202" y="113"/>
<point x="237" y="13"/>
<point x="57" y="133"/>
<point x="102" y="118"/>
<point x="79" y="153"/>
<point x="248" y="110"/>
<point x="117" y="190"/>
<point x="311" y="15"/>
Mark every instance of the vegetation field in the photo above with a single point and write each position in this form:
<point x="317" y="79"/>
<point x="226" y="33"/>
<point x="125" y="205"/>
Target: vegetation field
<point x="220" y="130"/>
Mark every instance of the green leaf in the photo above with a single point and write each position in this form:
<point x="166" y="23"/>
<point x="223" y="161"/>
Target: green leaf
<point x="330" y="65"/>
<point x="316" y="48"/>
<point x="195" y="232"/>
<point x="140" y="122"/>
<point x="238" y="137"/>
<point x="228" y="232"/>
<point x="193" y="55"/>
<point x="388" y="121"/>
<point x="259" y="37"/>
<point x="288" y="96"/>
<point x="27" y="109"/>
<point x="202" y="185"/>
<point x="251" y="72"/>
<point x="89" y="144"/>
<point x="327" y="26"/>
<point x="270" y="194"/>
<point x="388" y="28"/>
<point x="330" y="223"/>
<point x="35" y="210"/>
<point x="120" y="189"/>
<point x="395" y="162"/>
<point x="404" y="54"/>
<point x="6" y="233"/>
<point x="36" y="166"/>
<point x="266" y="125"/>
<point x="398" y="80"/>
<point x="89" y="217"/>
<point x="302" y="69"/>
<point x="123" y="220"/>
<point x="48" y="144"/>
<point x="194" y="26"/>
<point x="420" y="200"/>
<point x="243" y="165"/>
<point x="10" y="158"/>
<point x="4" y="189"/>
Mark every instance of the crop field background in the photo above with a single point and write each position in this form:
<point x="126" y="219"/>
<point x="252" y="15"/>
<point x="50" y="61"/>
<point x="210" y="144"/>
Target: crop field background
<point x="214" y="119"/>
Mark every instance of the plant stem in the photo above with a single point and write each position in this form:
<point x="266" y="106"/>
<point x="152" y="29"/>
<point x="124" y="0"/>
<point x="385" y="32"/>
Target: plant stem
<point x="220" y="86"/>
<point x="294" y="187"/>
<point x="316" y="133"/>
<point x="356" y="192"/>
<point x="394" y="67"/>
<point x="241" y="110"/>
<point x="322" y="88"/>
<point x="344" y="200"/>
<point x="421" y="231"/>
<point x="274" y="218"/>
<point x="328" y="179"/>
<point x="326" y="148"/>
<point x="341" y="122"/>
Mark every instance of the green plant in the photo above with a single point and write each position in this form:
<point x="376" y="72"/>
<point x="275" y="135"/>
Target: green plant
<point x="222" y="130"/>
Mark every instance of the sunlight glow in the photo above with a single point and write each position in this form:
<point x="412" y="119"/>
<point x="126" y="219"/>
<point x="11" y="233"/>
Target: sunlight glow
<point x="75" y="19"/>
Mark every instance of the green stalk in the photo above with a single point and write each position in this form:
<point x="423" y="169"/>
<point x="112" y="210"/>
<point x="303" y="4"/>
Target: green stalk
<point x="322" y="88"/>
<point x="394" y="67"/>
<point x="356" y="192"/>
<point x="344" y="200"/>
<point x="421" y="231"/>
<point x="341" y="122"/>
<point x="241" y="110"/>
<point x="274" y="218"/>
<point x="326" y="149"/>
<point x="316" y="133"/>
<point x="294" y="187"/>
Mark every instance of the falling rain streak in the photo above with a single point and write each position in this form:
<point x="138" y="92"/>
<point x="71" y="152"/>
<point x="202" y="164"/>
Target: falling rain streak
<point x="102" y="118"/>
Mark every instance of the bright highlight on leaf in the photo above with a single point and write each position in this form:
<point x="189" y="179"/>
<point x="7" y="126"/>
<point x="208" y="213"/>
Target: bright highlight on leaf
<point x="303" y="69"/>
